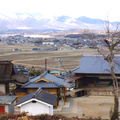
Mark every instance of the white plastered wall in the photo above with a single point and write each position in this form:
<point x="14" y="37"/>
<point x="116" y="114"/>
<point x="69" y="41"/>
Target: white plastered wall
<point x="36" y="108"/>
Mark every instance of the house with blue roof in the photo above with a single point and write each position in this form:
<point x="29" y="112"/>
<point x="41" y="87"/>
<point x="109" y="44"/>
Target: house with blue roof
<point x="49" y="83"/>
<point x="93" y="75"/>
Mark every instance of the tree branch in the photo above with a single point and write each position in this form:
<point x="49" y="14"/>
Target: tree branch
<point x="106" y="58"/>
<point x="116" y="43"/>
<point x="107" y="42"/>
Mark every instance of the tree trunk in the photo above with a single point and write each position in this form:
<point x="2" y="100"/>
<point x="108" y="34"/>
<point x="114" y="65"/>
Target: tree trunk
<point x="115" y="91"/>
<point x="116" y="102"/>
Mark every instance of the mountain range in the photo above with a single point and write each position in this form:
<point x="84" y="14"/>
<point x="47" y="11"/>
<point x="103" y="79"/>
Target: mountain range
<point x="35" y="21"/>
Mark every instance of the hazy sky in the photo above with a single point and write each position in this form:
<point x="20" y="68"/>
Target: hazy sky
<point x="75" y="8"/>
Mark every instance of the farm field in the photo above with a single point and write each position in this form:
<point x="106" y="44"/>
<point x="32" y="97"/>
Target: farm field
<point x="70" y="58"/>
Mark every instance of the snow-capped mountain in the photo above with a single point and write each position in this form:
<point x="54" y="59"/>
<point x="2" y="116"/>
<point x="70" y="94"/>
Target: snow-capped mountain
<point x="39" y="22"/>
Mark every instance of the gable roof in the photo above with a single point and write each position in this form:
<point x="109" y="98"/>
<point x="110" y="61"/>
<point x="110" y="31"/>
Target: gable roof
<point x="96" y="65"/>
<point x="39" y="95"/>
<point x="56" y="80"/>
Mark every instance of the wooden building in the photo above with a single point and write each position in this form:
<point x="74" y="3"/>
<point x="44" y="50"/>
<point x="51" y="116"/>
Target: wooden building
<point x="47" y="82"/>
<point x="93" y="75"/>
<point x="7" y="76"/>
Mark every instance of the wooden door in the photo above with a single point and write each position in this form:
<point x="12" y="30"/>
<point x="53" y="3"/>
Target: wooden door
<point x="2" y="109"/>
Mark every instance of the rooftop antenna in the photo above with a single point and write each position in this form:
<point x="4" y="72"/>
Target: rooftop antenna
<point x="82" y="54"/>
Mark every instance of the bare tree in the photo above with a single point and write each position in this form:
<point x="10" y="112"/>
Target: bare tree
<point x="112" y="39"/>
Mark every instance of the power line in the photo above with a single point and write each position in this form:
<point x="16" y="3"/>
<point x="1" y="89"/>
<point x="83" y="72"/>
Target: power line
<point x="63" y="66"/>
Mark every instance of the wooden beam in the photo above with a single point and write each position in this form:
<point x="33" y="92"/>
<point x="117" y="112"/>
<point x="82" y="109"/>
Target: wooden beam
<point x="64" y="95"/>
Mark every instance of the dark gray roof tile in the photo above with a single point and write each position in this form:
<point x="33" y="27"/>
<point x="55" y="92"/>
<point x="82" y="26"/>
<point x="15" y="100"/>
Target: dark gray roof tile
<point x="58" y="81"/>
<point x="41" y="84"/>
<point x="96" y="65"/>
<point x="40" y="95"/>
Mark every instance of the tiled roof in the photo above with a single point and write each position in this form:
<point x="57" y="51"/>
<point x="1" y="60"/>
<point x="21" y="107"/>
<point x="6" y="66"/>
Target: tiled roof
<point x="41" y="84"/>
<point x="96" y="65"/>
<point x="58" y="81"/>
<point x="40" y="95"/>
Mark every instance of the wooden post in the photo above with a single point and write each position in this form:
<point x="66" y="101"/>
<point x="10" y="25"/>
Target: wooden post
<point x="64" y="95"/>
<point x="94" y="82"/>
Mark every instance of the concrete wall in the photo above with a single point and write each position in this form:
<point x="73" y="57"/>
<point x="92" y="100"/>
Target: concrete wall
<point x="36" y="108"/>
<point x="11" y="108"/>
<point x="99" y="92"/>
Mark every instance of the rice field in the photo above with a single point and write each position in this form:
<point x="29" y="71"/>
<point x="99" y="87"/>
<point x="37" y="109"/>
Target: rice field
<point x="70" y="58"/>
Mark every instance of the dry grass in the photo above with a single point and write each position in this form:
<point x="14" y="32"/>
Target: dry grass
<point x="28" y="58"/>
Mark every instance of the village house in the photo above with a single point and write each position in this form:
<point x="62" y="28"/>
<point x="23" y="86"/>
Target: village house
<point x="38" y="102"/>
<point x="93" y="76"/>
<point x="49" y="83"/>
<point x="48" y="43"/>
<point x="7" y="76"/>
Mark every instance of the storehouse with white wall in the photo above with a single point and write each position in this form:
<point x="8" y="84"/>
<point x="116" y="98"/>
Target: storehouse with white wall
<point x="38" y="102"/>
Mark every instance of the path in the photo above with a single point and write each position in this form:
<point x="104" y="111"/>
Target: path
<point x="93" y="106"/>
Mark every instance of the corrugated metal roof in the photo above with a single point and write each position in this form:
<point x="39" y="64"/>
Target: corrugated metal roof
<point x="70" y="79"/>
<point x="39" y="95"/>
<point x="7" y="99"/>
<point x="96" y="65"/>
<point x="54" y="72"/>
<point x="41" y="84"/>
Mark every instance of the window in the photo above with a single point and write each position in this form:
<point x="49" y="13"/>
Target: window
<point x="33" y="101"/>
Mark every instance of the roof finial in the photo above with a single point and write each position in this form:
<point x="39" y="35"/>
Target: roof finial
<point x="82" y="54"/>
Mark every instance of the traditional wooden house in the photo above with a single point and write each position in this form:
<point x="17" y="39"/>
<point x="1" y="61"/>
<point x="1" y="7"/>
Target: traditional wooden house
<point x="47" y="82"/>
<point x="38" y="102"/>
<point x="7" y="75"/>
<point x="93" y="75"/>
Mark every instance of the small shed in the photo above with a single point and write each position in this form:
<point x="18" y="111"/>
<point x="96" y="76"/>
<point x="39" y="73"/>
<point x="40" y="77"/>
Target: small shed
<point x="7" y="104"/>
<point x="55" y="73"/>
<point x="38" y="102"/>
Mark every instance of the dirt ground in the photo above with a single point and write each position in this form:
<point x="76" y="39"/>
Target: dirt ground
<point x="92" y="106"/>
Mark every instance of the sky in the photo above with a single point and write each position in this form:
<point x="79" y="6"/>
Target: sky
<point x="101" y="9"/>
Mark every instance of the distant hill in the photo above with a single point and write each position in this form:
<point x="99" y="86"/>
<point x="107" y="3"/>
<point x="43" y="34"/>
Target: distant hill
<point x="35" y="21"/>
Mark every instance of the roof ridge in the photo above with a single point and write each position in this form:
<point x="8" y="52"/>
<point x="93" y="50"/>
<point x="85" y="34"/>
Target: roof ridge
<point x="26" y="84"/>
<point x="43" y="75"/>
<point x="74" y="69"/>
<point x="38" y="91"/>
<point x="56" y="83"/>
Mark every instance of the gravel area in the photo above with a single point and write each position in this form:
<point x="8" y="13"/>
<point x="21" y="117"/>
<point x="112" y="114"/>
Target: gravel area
<point x="92" y="106"/>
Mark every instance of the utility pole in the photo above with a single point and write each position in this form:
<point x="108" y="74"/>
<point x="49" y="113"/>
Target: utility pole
<point x="59" y="60"/>
<point x="45" y="64"/>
